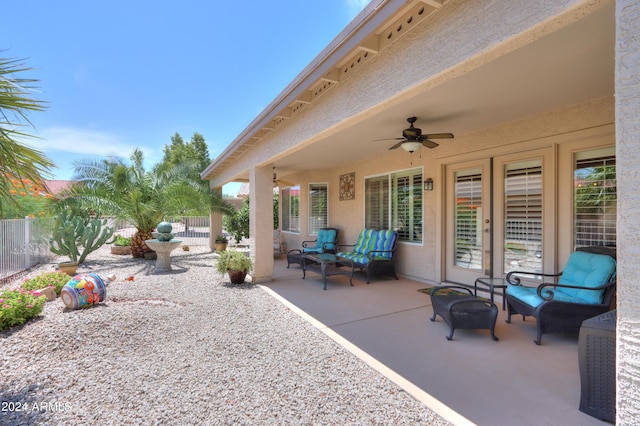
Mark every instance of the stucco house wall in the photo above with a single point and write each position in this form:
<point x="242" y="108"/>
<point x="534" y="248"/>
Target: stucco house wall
<point x="628" y="154"/>
<point x="422" y="261"/>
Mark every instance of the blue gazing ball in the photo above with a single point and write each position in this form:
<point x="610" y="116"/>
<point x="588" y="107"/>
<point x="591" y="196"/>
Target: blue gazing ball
<point x="164" y="227"/>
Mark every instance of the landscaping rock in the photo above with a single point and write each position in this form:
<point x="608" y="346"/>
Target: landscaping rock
<point x="48" y="292"/>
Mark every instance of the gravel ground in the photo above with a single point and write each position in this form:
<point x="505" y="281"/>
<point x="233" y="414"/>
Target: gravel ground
<point x="187" y="348"/>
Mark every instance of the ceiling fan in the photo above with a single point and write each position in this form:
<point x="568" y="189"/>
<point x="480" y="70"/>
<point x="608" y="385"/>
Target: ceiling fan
<point x="412" y="138"/>
<point x="279" y="182"/>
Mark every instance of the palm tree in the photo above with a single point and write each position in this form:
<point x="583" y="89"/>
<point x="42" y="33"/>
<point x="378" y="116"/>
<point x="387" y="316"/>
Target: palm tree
<point x="18" y="163"/>
<point x="128" y="191"/>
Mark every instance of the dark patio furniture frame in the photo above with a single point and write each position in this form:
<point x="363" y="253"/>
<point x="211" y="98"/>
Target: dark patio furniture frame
<point x="556" y="316"/>
<point x="377" y="265"/>
<point x="295" y="255"/>
<point x="464" y="311"/>
<point x="492" y="284"/>
<point x="326" y="264"/>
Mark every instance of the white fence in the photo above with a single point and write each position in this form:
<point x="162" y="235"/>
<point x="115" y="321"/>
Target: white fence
<point x="192" y="230"/>
<point x="25" y="242"/>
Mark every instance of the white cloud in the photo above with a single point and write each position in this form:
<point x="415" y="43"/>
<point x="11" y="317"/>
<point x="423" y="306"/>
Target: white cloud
<point x="83" y="141"/>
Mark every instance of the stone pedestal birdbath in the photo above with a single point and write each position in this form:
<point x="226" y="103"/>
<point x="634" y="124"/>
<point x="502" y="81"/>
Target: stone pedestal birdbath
<point x="163" y="244"/>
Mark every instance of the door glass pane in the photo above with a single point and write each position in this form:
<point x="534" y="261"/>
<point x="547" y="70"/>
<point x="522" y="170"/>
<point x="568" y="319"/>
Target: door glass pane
<point x="523" y="217"/>
<point x="468" y="220"/>
<point x="595" y="197"/>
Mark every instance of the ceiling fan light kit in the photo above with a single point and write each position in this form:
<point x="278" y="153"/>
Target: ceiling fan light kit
<point x="411" y="146"/>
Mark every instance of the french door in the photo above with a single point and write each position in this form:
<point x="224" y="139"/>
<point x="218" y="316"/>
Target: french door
<point x="496" y="216"/>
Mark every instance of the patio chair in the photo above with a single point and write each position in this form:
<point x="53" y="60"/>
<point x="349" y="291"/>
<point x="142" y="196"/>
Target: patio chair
<point x="374" y="251"/>
<point x="325" y="242"/>
<point x="583" y="290"/>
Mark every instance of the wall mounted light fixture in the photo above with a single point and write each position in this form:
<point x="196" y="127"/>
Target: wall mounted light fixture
<point x="428" y="184"/>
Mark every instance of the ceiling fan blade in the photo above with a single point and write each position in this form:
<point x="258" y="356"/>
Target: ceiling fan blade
<point x="398" y="144"/>
<point x="388" y="139"/>
<point x="438" y="136"/>
<point x="429" y="144"/>
<point x="283" y="183"/>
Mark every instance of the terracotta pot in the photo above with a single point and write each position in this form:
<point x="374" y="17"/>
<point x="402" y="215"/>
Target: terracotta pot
<point x="236" y="276"/>
<point x="221" y="246"/>
<point x="68" y="268"/>
<point x="121" y="250"/>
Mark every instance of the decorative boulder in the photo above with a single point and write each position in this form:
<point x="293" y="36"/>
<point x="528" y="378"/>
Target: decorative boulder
<point x="83" y="291"/>
<point x="47" y="292"/>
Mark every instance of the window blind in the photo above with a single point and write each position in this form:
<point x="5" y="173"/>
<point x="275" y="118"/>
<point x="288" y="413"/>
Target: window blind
<point x="291" y="209"/>
<point x="406" y="202"/>
<point x="523" y="217"/>
<point x="377" y="203"/>
<point x="468" y="220"/>
<point x="595" y="201"/>
<point x="318" y="212"/>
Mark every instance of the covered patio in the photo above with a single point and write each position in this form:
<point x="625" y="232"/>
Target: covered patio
<point x="538" y="97"/>
<point x="469" y="379"/>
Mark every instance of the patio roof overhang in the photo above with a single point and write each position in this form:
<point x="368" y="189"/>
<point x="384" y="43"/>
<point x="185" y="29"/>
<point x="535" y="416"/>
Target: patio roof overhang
<point x="556" y="64"/>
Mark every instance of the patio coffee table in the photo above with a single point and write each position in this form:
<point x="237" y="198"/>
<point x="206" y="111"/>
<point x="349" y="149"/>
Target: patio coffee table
<point x="327" y="264"/>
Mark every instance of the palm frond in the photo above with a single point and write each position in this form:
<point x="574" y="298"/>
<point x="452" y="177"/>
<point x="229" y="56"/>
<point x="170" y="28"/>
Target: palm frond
<point x="17" y="160"/>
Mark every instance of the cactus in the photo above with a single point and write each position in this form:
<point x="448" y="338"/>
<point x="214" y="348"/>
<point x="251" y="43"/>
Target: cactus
<point x="72" y="234"/>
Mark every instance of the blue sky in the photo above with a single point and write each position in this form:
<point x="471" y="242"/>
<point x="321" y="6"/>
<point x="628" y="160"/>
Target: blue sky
<point x="121" y="74"/>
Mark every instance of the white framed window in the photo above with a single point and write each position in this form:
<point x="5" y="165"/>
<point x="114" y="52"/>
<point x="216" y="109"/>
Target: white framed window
<point x="318" y="207"/>
<point x="376" y="210"/>
<point x="291" y="209"/>
<point x="594" y="198"/>
<point x="396" y="201"/>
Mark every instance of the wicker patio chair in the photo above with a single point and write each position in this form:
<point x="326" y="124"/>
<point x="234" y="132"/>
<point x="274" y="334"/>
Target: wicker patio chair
<point x="583" y="290"/>
<point x="326" y="242"/>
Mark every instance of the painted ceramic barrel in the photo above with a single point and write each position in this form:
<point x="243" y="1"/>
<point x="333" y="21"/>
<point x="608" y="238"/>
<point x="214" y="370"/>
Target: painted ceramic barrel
<point x="83" y="291"/>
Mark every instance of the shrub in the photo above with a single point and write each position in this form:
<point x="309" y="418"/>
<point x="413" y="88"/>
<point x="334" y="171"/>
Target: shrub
<point x="237" y="223"/>
<point x="231" y="259"/>
<point x="18" y="306"/>
<point x="122" y="241"/>
<point x="56" y="279"/>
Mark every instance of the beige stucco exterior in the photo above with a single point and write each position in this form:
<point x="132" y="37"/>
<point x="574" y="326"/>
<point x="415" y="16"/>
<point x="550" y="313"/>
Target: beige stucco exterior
<point x="628" y="153"/>
<point x="329" y="129"/>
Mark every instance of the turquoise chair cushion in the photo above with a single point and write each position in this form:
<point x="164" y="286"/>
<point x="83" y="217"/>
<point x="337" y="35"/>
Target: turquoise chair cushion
<point x="587" y="270"/>
<point x="582" y="269"/>
<point x="529" y="295"/>
<point x="327" y="236"/>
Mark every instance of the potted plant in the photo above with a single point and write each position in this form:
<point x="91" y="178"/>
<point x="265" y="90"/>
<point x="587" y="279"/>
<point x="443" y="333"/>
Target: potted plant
<point x="68" y="267"/>
<point x="236" y="264"/>
<point x="221" y="243"/>
<point x="121" y="245"/>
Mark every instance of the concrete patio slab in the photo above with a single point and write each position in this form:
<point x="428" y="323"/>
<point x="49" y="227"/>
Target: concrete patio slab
<point x="512" y="381"/>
